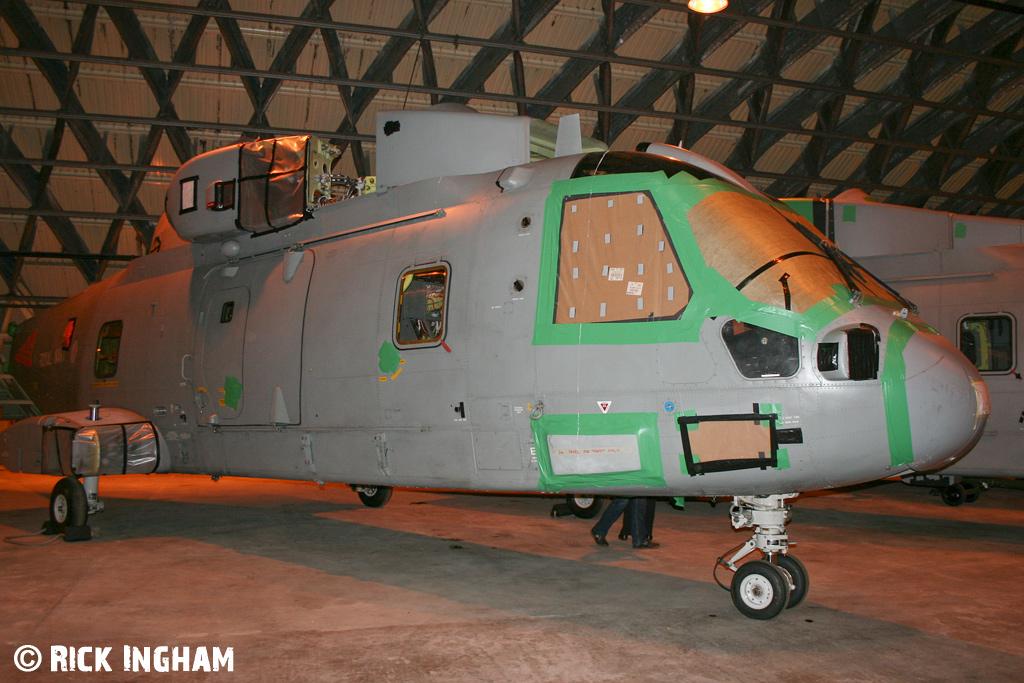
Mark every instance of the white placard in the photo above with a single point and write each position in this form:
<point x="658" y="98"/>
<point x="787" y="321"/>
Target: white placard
<point x="593" y="454"/>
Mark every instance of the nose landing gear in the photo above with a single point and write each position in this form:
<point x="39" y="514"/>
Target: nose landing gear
<point x="762" y="589"/>
<point x="70" y="506"/>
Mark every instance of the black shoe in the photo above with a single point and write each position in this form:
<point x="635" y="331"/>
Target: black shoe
<point x="598" y="539"/>
<point x="623" y="536"/>
<point x="647" y="544"/>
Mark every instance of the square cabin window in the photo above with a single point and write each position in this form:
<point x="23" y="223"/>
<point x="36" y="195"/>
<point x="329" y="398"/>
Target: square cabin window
<point x="188" y="194"/>
<point x="987" y="341"/>
<point x="422" y="296"/>
<point x="107" y="348"/>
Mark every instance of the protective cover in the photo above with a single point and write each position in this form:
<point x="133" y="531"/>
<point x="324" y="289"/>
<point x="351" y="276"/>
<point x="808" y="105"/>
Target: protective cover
<point x="119" y="442"/>
<point x="272" y="184"/>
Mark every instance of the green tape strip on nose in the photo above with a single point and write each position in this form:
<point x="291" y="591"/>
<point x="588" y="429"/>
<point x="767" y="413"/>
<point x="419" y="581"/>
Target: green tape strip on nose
<point x="894" y="394"/>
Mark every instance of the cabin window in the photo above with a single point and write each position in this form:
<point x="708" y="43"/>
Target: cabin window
<point x="616" y="262"/>
<point x="759" y="352"/>
<point x="107" y="347"/>
<point x="422" y="295"/>
<point x="189" y="187"/>
<point x="69" y="333"/>
<point x="223" y="196"/>
<point x="987" y="341"/>
<point x="227" y="312"/>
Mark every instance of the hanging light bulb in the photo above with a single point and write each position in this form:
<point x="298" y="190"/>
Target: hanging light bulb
<point x="707" y="6"/>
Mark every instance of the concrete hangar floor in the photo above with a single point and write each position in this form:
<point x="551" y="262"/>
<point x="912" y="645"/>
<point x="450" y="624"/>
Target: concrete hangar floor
<point x="305" y="583"/>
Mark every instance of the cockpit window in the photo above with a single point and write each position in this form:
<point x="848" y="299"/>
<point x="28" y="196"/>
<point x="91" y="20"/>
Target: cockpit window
<point x="616" y="262"/>
<point x="610" y="163"/>
<point x="761" y="353"/>
<point x="987" y="341"/>
<point x="784" y="262"/>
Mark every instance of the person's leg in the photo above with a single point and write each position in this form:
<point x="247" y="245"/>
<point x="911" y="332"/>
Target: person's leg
<point x="636" y="521"/>
<point x="627" y="529"/>
<point x="649" y="518"/>
<point x="611" y="513"/>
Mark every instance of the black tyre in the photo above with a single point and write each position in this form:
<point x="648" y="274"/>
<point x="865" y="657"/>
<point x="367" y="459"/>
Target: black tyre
<point x="375" y="496"/>
<point x="796" y="570"/>
<point x="954" y="494"/>
<point x="68" y="504"/>
<point x="760" y="590"/>
<point x="584" y="507"/>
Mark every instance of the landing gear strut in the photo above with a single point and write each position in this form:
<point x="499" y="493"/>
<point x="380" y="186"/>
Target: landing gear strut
<point x="762" y="589"/>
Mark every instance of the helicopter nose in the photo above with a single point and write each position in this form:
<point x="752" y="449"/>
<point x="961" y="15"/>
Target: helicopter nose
<point x="947" y="401"/>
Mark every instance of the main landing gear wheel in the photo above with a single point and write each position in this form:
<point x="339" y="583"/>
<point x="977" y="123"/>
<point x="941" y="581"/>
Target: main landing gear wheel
<point x="954" y="494"/>
<point x="68" y="504"/>
<point x="374" y="496"/>
<point x="760" y="590"/>
<point x="584" y="507"/>
<point x="797" y="578"/>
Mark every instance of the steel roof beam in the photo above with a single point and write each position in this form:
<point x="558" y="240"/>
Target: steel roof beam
<point x="339" y="72"/>
<point x="284" y="60"/>
<point x="82" y="45"/>
<point x="666" y="71"/>
<point x="27" y="182"/>
<point x="382" y="67"/>
<point x="721" y="103"/>
<point x="29" y="32"/>
<point x="737" y="14"/>
<point x="979" y="88"/>
<point x="643" y="95"/>
<point x="772" y="57"/>
<point x="487" y="59"/>
<point x="813" y="159"/>
<point x="868" y="115"/>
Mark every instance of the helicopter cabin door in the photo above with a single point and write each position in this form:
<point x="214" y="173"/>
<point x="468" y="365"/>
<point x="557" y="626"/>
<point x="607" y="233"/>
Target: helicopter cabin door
<point x="248" y="348"/>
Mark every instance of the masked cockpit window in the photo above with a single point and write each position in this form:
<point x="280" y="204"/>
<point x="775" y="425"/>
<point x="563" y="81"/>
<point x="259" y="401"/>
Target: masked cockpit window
<point x="421" y="306"/>
<point x="782" y="263"/>
<point x="761" y="353"/>
<point x="616" y="262"/>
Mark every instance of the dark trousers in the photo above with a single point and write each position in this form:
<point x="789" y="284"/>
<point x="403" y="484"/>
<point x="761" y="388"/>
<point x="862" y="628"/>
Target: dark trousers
<point x="635" y="519"/>
<point x="648" y="518"/>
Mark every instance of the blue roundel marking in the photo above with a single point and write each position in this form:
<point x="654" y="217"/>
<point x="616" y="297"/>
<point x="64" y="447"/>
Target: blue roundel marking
<point x="669" y="406"/>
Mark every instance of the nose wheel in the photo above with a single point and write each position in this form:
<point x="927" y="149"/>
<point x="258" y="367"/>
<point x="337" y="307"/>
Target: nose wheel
<point x="762" y="589"/>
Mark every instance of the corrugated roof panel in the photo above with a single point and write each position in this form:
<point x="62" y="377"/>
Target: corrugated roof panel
<point x="956" y="181"/>
<point x="1013" y="187"/>
<point x="49" y="278"/>
<point x="23" y="86"/>
<point x="905" y="170"/>
<point x="718" y="144"/>
<point x="843" y="164"/>
<point x="477" y="18"/>
<point x="569" y="25"/>
<point x="943" y="89"/>
<point x="734" y="53"/>
<point x="373" y="13"/>
<point x="782" y="154"/>
<point x="814" y="63"/>
<point x="1008" y="99"/>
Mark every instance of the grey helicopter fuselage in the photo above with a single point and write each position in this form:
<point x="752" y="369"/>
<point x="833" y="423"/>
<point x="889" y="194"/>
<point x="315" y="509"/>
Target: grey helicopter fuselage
<point x="602" y="323"/>
<point x="966" y="273"/>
